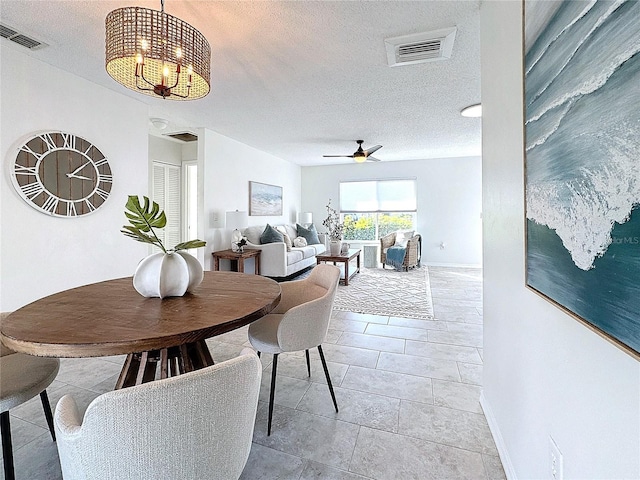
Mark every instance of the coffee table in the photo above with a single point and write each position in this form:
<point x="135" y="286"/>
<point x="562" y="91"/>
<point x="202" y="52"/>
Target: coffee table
<point x="111" y="318"/>
<point x="345" y="259"/>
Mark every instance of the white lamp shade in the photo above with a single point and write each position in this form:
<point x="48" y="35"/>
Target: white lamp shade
<point x="306" y="217"/>
<point x="237" y="220"/>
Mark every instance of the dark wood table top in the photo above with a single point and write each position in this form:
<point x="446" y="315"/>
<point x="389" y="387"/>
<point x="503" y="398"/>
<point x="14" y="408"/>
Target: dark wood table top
<point x="350" y="255"/>
<point x="111" y="318"/>
<point x="230" y="254"/>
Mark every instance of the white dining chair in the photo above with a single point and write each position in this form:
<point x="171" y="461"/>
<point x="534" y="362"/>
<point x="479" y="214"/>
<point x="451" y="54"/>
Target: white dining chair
<point x="22" y="377"/>
<point x="299" y="322"/>
<point x="196" y="425"/>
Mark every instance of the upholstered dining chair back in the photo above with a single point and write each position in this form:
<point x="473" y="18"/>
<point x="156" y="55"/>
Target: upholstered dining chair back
<point x="308" y="304"/>
<point x="22" y="377"/>
<point x="299" y="322"/>
<point x="198" y="425"/>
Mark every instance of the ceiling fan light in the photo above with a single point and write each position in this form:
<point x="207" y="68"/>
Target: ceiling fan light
<point x="359" y="158"/>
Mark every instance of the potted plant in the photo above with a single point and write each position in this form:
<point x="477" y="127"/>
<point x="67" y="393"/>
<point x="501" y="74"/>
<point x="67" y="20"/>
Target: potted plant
<point x="335" y="229"/>
<point x="170" y="273"/>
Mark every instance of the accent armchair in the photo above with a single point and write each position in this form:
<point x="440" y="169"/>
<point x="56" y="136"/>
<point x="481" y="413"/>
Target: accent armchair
<point x="299" y="322"/>
<point x="412" y="252"/>
<point x="196" y="425"/>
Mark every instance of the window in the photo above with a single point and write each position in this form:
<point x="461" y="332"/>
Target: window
<point x="374" y="208"/>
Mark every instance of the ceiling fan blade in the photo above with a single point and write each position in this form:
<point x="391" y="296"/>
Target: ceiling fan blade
<point x="369" y="151"/>
<point x="345" y="156"/>
<point x="373" y="159"/>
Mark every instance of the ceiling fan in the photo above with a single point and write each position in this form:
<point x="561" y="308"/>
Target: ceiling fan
<point x="361" y="155"/>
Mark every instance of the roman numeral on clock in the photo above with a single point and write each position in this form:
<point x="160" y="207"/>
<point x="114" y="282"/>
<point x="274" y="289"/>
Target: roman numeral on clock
<point x="51" y="204"/>
<point x="32" y="190"/>
<point x="22" y="170"/>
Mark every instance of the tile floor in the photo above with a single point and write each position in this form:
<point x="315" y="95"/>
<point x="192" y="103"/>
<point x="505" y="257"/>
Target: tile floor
<point x="407" y="390"/>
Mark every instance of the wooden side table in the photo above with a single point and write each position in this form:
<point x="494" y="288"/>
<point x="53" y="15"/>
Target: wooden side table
<point x="239" y="257"/>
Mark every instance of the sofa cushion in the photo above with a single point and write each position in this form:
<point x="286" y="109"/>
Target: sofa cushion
<point x="271" y="235"/>
<point x="253" y="233"/>
<point x="310" y="234"/>
<point x="291" y="231"/>
<point x="294" y="256"/>
<point x="319" y="248"/>
<point x="308" y="251"/>
<point x="402" y="237"/>
<point x="286" y="237"/>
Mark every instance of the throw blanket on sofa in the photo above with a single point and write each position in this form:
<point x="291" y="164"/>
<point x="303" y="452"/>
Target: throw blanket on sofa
<point x="395" y="256"/>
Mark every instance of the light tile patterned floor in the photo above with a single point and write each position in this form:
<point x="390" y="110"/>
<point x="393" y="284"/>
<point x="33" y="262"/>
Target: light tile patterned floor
<point x="407" y="389"/>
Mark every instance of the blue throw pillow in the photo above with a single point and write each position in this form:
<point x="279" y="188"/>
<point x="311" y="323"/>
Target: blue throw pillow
<point x="271" y="235"/>
<point x="309" y="234"/>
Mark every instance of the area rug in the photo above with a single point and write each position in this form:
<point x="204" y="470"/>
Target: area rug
<point x="387" y="292"/>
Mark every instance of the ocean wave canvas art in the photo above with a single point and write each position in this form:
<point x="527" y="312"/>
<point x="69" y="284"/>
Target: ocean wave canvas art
<point x="264" y="200"/>
<point x="582" y="150"/>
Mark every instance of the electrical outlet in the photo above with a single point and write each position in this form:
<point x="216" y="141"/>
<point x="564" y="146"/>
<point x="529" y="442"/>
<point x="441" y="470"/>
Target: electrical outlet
<point x="555" y="461"/>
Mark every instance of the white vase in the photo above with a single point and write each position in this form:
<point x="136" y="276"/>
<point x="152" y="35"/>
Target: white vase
<point x="167" y="274"/>
<point x="335" y="246"/>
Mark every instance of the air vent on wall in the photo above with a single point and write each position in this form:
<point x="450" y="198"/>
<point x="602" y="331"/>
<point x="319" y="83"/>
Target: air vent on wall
<point x="183" y="136"/>
<point x="420" y="47"/>
<point x="16" y="37"/>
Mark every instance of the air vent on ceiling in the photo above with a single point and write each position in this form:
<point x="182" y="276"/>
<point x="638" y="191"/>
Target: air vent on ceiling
<point x="420" y="47"/>
<point x="19" y="38"/>
<point x="183" y="136"/>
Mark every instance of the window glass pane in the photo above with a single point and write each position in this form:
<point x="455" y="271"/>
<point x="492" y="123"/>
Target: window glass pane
<point x="359" y="226"/>
<point x="390" y="222"/>
<point x="375" y="208"/>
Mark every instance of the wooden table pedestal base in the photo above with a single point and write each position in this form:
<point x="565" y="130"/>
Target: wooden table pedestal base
<point x="142" y="367"/>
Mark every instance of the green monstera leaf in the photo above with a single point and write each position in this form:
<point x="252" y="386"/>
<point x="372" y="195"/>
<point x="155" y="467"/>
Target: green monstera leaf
<point x="144" y="218"/>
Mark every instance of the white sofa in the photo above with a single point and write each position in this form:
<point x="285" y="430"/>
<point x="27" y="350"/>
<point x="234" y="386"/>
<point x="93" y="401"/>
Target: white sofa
<point x="275" y="260"/>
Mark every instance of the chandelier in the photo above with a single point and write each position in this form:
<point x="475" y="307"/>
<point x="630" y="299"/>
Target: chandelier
<point x="157" y="54"/>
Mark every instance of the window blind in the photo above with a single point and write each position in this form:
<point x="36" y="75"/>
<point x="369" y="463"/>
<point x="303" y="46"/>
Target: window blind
<point x="378" y="196"/>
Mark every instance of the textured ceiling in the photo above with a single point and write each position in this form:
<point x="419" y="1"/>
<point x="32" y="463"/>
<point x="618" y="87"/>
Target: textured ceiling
<point x="297" y="79"/>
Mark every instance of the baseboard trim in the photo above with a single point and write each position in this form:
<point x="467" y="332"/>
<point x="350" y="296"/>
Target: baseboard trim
<point x="509" y="471"/>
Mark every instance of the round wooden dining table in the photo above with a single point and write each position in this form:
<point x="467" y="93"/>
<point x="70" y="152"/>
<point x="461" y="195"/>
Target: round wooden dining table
<point x="111" y="318"/>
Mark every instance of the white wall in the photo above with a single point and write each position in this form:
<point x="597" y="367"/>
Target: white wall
<point x="545" y="374"/>
<point x="227" y="166"/>
<point x="39" y="254"/>
<point x="449" y="201"/>
<point x="165" y="150"/>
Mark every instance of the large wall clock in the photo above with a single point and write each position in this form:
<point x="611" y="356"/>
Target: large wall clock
<point x="61" y="174"/>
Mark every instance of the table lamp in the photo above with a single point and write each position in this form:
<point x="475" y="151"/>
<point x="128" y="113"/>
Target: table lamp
<point x="236" y="221"/>
<point x="306" y="219"/>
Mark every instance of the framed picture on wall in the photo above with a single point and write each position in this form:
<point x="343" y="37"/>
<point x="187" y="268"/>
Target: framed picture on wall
<point x="264" y="199"/>
<point x="582" y="154"/>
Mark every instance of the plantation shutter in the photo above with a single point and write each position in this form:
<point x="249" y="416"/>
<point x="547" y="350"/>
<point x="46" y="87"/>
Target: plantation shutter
<point x="166" y="192"/>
